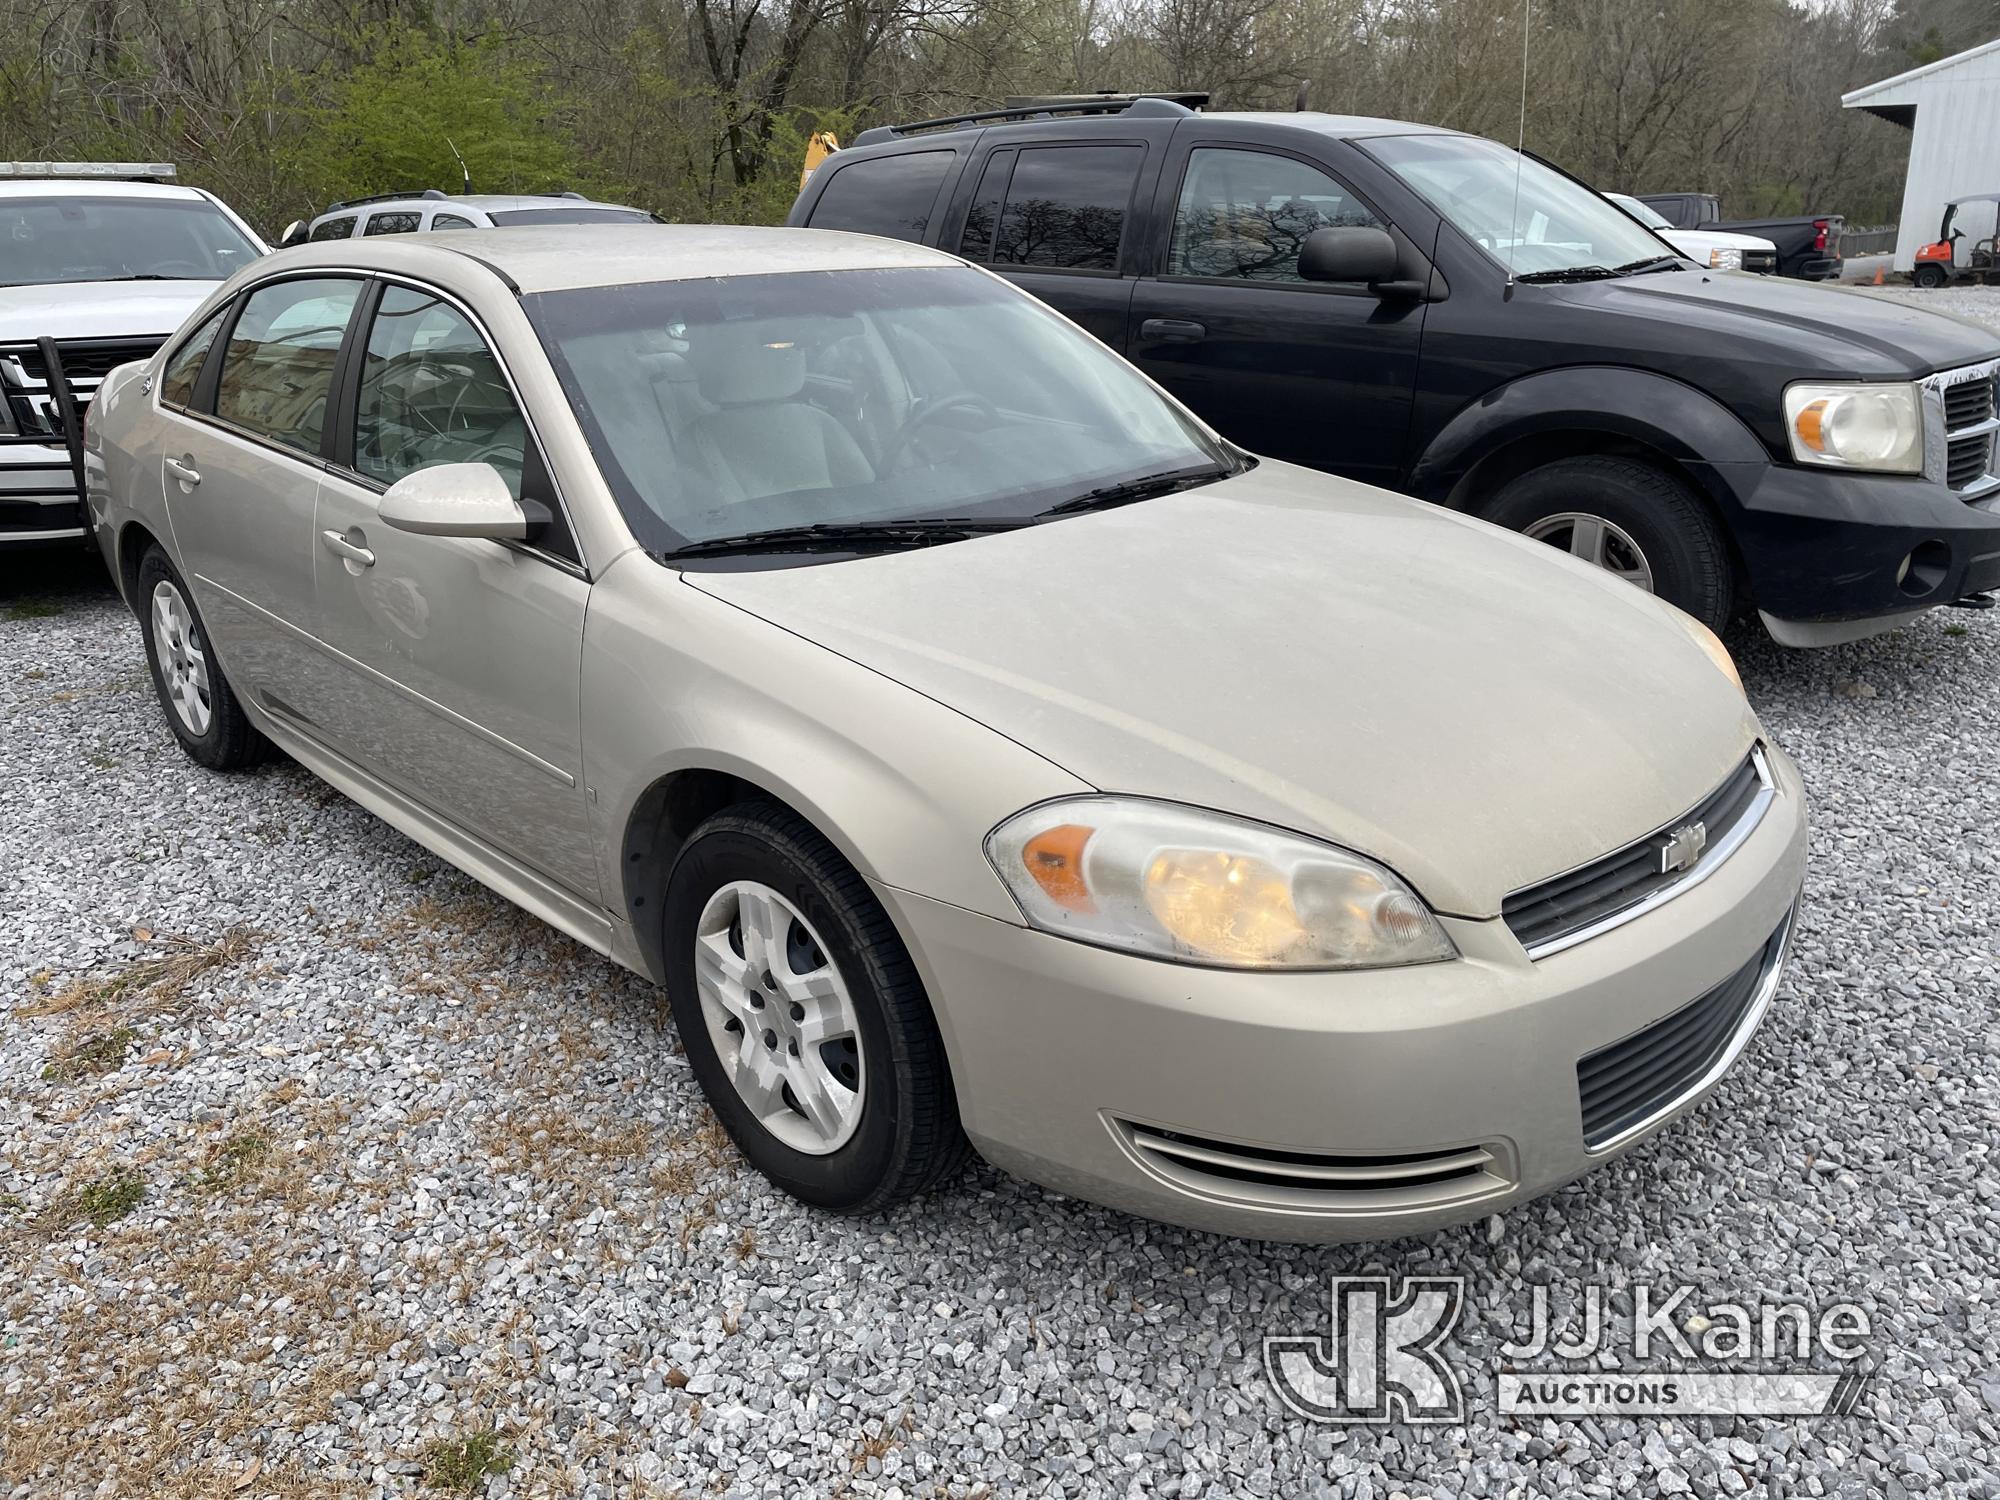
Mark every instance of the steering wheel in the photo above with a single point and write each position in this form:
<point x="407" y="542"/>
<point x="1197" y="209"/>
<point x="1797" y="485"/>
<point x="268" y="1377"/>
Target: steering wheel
<point x="926" y="413"/>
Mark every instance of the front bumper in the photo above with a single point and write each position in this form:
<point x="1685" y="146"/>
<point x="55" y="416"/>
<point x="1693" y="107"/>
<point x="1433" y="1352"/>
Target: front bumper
<point x="1826" y="549"/>
<point x="1438" y="1092"/>
<point x="38" y="498"/>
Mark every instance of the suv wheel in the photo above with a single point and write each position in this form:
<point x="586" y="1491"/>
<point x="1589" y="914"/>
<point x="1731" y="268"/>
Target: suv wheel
<point x="803" y="1017"/>
<point x="1630" y="519"/>
<point x="200" y="706"/>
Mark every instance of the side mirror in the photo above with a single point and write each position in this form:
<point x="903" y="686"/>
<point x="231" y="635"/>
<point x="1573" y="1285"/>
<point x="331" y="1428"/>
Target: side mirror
<point x="455" y="500"/>
<point x="1355" y="254"/>
<point x="295" y="234"/>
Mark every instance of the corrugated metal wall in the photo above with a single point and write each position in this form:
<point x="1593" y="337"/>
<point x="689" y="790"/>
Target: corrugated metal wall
<point x="1954" y="145"/>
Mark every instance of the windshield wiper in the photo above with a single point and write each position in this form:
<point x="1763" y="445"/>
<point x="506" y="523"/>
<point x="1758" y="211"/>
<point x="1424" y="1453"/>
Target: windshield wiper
<point x="1649" y="264"/>
<point x="844" y="535"/>
<point x="1145" y="487"/>
<point x="1570" y="273"/>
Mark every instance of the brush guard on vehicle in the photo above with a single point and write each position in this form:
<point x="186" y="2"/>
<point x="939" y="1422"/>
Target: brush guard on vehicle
<point x="45" y="388"/>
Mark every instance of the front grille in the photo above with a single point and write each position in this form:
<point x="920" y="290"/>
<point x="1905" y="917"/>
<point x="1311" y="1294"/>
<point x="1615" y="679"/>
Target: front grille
<point x="1966" y="396"/>
<point x="1562" y="910"/>
<point x="24" y="378"/>
<point x="1762" y="261"/>
<point x="1357" y="1183"/>
<point x="1624" y="1085"/>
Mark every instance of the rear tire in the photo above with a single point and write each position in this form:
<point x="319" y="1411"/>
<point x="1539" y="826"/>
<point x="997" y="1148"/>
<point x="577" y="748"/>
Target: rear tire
<point x="200" y="706"/>
<point x="1930" y="278"/>
<point x="803" y="1018"/>
<point x="1632" y="518"/>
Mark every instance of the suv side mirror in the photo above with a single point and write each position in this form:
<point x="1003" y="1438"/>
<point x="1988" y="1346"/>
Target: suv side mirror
<point x="295" y="234"/>
<point x="1354" y="254"/>
<point x="455" y="500"/>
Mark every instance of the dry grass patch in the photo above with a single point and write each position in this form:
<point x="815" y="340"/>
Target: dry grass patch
<point x="162" y="979"/>
<point x="93" y="1055"/>
<point x="459" y="1466"/>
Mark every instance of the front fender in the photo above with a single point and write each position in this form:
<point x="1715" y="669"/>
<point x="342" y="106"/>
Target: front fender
<point x="907" y="789"/>
<point x="1635" y="405"/>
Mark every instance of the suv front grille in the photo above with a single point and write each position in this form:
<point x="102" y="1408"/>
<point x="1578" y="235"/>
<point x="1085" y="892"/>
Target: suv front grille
<point x="24" y="379"/>
<point x="1269" y="1177"/>
<point x="1569" y="908"/>
<point x="1965" y="397"/>
<point x="1629" y="1084"/>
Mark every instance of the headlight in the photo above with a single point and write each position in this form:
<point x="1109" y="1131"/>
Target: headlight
<point x="1711" y="643"/>
<point x="1725" y="260"/>
<point x="1200" y="887"/>
<point x="1877" y="427"/>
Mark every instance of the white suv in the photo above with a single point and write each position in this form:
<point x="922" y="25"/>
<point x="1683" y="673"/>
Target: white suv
<point x="414" y="213"/>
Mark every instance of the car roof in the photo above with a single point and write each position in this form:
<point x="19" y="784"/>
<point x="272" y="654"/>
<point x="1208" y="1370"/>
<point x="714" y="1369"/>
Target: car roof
<point x="95" y="187"/>
<point x="483" y="202"/>
<point x="564" y="256"/>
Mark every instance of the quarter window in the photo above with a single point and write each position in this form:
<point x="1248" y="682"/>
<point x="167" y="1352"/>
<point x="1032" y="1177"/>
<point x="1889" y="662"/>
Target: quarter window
<point x="1243" y="215"/>
<point x="888" y="195"/>
<point x="277" y="372"/>
<point x="432" y="393"/>
<point x="178" y="378"/>
<point x="1066" y="207"/>
<point x="398" y="222"/>
<point x="333" y="229"/>
<point x="451" y="221"/>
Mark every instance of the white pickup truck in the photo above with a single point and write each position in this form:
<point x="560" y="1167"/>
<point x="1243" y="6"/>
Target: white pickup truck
<point x="1717" y="249"/>
<point x="99" y="263"/>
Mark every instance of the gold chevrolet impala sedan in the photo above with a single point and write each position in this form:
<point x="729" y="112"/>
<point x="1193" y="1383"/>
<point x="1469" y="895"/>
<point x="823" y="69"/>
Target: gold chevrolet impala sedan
<point x="983" y="753"/>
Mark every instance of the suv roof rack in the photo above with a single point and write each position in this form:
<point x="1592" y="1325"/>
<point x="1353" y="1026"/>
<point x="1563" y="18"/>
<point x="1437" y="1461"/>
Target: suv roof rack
<point x="113" y="171"/>
<point x="1053" y="106"/>
<point x="382" y="198"/>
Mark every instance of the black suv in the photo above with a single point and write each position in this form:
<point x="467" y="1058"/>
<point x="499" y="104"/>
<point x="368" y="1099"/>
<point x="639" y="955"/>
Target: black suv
<point x="1436" y="313"/>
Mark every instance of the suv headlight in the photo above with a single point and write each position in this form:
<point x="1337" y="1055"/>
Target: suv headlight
<point x="1876" y="427"/>
<point x="1725" y="260"/>
<point x="1199" y="887"/>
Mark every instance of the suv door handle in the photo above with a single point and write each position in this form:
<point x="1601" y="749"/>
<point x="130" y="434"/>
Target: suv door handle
<point x="184" y="470"/>
<point x="341" y="547"/>
<point x="1172" y="331"/>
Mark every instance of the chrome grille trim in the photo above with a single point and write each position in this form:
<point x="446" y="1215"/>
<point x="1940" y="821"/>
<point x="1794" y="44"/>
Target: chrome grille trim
<point x="1712" y="859"/>
<point x="1960" y="424"/>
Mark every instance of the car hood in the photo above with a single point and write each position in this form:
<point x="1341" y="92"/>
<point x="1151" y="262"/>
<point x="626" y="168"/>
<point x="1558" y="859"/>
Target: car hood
<point x="98" y="309"/>
<point x="1475" y="710"/>
<point x="1798" y="328"/>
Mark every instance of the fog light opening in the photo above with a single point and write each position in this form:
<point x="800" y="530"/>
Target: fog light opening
<point x="1924" y="570"/>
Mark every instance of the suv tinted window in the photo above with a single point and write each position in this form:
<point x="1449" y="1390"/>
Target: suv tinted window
<point x="890" y="195"/>
<point x="451" y="221"/>
<point x="334" y="229"/>
<point x="178" y="378"/>
<point x="432" y="393"/>
<point x="1066" y="207"/>
<point x="401" y="221"/>
<point x="1245" y="214"/>
<point x="278" y="369"/>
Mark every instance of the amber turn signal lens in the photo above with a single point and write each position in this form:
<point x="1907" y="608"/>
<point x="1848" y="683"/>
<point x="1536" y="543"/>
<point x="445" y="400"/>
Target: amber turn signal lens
<point x="1811" y="426"/>
<point x="1055" y="859"/>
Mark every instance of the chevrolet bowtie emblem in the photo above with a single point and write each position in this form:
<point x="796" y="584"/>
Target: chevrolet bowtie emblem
<point x="1683" y="847"/>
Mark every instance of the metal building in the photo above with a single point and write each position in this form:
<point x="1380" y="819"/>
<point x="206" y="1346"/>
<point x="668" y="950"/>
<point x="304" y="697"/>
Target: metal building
<point x="1949" y="108"/>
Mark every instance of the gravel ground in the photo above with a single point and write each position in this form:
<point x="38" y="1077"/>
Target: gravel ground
<point x="326" y="1172"/>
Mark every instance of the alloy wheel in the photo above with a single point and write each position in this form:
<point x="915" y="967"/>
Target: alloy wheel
<point x="1595" y="540"/>
<point x="183" y="659"/>
<point x="780" y="1017"/>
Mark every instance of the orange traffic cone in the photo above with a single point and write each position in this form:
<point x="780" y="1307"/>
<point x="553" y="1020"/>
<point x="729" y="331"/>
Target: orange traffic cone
<point x="1879" y="277"/>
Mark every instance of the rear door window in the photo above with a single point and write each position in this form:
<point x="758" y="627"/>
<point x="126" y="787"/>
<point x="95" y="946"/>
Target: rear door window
<point x="277" y="372"/>
<point x="1066" y="207"/>
<point x="396" y="221"/>
<point x="887" y="195"/>
<point x="451" y="221"/>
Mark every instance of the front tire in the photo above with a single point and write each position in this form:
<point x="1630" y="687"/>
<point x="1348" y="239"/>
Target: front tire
<point x="802" y="1016"/>
<point x="1631" y="519"/>
<point x="1930" y="278"/>
<point x="200" y="706"/>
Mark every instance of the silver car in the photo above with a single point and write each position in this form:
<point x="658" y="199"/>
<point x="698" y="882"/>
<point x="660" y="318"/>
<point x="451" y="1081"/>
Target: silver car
<point x="981" y="752"/>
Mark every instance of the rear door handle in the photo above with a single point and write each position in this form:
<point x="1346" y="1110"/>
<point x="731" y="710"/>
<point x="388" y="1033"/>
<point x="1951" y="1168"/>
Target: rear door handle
<point x="184" y="470"/>
<point x="1172" y="331"/>
<point x="341" y="547"/>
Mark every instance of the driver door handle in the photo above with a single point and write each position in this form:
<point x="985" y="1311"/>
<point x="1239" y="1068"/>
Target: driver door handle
<point x="184" y="471"/>
<point x="341" y="547"/>
<point x="1172" y="331"/>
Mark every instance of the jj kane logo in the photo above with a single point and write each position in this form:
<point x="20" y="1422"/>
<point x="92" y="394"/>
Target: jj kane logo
<point x="1384" y="1357"/>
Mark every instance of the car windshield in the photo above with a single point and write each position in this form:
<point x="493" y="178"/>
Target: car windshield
<point x="1528" y="217"/>
<point x="516" y="217"/>
<point x="1650" y="217"/>
<point x="68" y="238"/>
<point x="729" y="406"/>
